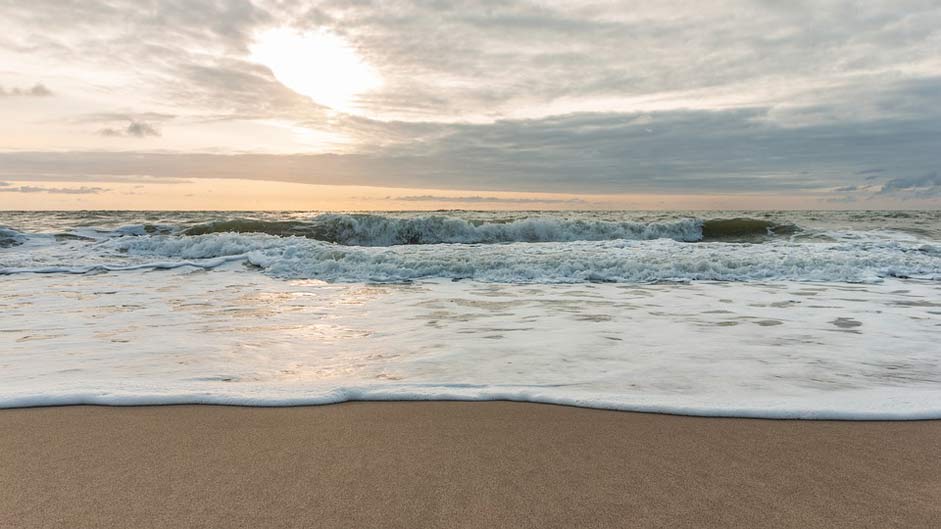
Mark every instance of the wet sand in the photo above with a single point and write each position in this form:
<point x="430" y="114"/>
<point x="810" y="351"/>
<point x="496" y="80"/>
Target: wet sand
<point x="451" y="464"/>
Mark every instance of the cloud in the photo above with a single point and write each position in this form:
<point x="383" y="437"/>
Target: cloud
<point x="924" y="185"/>
<point x="443" y="61"/>
<point x="485" y="199"/>
<point x="37" y="90"/>
<point x="88" y="177"/>
<point x="485" y="57"/>
<point x="844" y="199"/>
<point x="111" y="117"/>
<point x="134" y="129"/>
<point x="140" y="130"/>
<point x="571" y="97"/>
<point x="733" y="151"/>
<point x="84" y="190"/>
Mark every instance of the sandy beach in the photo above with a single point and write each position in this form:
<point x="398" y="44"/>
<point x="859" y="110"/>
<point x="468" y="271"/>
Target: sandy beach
<point x="453" y="464"/>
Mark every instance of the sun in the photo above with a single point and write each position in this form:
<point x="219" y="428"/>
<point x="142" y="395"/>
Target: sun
<point x="317" y="64"/>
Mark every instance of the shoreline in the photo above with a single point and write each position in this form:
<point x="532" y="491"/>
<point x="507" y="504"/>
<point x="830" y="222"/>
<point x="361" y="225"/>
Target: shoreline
<point x="458" y="464"/>
<point x="653" y="410"/>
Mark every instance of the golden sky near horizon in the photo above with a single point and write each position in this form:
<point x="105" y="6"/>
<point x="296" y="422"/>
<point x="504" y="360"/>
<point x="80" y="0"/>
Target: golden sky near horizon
<point x="227" y="194"/>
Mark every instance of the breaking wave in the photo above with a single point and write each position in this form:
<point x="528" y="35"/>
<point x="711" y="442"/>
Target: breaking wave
<point x="620" y="261"/>
<point x="568" y="248"/>
<point x="380" y="230"/>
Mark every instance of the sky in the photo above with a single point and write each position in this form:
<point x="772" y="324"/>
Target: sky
<point x="359" y="104"/>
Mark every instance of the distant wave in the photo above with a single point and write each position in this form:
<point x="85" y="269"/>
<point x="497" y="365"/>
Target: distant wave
<point x="379" y="230"/>
<point x="382" y="230"/>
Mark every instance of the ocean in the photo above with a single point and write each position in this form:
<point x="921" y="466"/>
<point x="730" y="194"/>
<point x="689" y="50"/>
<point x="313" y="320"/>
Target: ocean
<point x="815" y="315"/>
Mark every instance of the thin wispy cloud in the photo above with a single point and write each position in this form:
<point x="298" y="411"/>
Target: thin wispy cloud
<point x="484" y="199"/>
<point x="112" y="117"/>
<point x="6" y="187"/>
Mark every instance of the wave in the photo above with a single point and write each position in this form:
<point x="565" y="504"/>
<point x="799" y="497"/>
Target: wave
<point x="380" y="230"/>
<point x="744" y="229"/>
<point x="873" y="404"/>
<point x="144" y="229"/>
<point x="583" y="261"/>
<point x="538" y="249"/>
<point x="383" y="230"/>
<point x="611" y="261"/>
<point x="10" y="238"/>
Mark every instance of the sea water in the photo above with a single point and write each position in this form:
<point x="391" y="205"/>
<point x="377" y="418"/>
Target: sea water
<point x="782" y="315"/>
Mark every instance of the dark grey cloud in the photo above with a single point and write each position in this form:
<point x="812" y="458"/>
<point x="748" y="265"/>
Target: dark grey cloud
<point x="134" y="129"/>
<point x="126" y="125"/>
<point x="37" y="90"/>
<point x="918" y="186"/>
<point x="140" y="129"/>
<point x="735" y="151"/>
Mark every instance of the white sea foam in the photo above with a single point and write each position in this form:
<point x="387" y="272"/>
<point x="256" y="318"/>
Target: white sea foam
<point x="616" y="261"/>
<point x="777" y="350"/>
<point x="611" y="261"/>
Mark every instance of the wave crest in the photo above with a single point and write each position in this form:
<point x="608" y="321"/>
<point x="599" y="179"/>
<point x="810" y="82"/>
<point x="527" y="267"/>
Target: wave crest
<point x="571" y="262"/>
<point x="380" y="230"/>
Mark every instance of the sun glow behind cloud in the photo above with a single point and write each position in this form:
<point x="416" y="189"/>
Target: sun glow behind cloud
<point x="317" y="64"/>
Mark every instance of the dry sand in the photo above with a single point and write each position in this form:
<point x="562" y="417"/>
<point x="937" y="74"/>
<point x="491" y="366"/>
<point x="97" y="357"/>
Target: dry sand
<point x="448" y="464"/>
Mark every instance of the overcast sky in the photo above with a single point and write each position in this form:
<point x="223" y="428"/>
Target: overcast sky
<point x="748" y="104"/>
